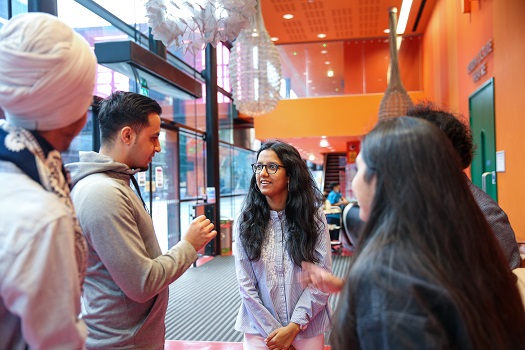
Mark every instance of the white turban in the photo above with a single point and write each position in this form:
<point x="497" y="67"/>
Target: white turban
<point x="47" y="72"/>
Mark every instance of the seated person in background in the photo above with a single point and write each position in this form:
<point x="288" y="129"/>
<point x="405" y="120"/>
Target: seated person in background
<point x="424" y="273"/>
<point x="336" y="199"/>
<point x="459" y="134"/>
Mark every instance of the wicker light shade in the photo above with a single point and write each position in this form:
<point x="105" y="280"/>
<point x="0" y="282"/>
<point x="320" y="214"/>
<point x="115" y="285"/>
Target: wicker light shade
<point x="255" y="69"/>
<point x="396" y="101"/>
<point x="192" y="24"/>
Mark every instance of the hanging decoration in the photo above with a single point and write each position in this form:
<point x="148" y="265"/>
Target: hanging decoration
<point x="396" y="101"/>
<point x="192" y="24"/>
<point x="255" y="69"/>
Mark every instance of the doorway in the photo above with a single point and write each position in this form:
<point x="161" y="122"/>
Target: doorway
<point x="481" y="111"/>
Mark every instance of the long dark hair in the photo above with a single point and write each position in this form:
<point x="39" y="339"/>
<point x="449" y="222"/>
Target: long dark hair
<point x="425" y="221"/>
<point x="302" y="206"/>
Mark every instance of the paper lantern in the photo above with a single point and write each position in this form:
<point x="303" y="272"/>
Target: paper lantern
<point x="192" y="24"/>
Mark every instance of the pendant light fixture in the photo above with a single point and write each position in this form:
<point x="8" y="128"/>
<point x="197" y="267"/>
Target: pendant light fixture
<point x="192" y="24"/>
<point x="255" y="69"/>
<point x="396" y="101"/>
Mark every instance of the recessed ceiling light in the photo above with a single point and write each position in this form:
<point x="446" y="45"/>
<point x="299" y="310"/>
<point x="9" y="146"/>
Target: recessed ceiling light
<point x="321" y="36"/>
<point x="327" y="62"/>
<point x="310" y="81"/>
<point x="324" y="143"/>
<point x="274" y="38"/>
<point x="324" y="52"/>
<point x="288" y="16"/>
<point x="330" y="73"/>
<point x="311" y="157"/>
<point x="386" y="31"/>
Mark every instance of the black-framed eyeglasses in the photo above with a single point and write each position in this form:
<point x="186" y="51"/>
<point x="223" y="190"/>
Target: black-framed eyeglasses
<point x="270" y="168"/>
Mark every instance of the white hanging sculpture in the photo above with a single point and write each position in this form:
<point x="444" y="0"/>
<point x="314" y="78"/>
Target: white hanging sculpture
<point x="255" y="69"/>
<point x="192" y="24"/>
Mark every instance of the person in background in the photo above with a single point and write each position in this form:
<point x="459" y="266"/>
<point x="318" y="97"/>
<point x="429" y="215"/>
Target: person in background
<point x="47" y="79"/>
<point x="335" y="197"/>
<point x="424" y="274"/>
<point x="126" y="290"/>
<point x="281" y="225"/>
<point x="459" y="134"/>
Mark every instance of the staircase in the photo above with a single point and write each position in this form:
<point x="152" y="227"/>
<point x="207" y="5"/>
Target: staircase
<point x="334" y="163"/>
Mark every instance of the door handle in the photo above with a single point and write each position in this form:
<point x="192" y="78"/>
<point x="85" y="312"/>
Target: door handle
<point x="484" y="179"/>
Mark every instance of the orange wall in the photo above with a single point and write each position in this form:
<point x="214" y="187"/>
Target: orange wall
<point x="509" y="72"/>
<point x="366" y="63"/>
<point x="452" y="39"/>
<point x="348" y="115"/>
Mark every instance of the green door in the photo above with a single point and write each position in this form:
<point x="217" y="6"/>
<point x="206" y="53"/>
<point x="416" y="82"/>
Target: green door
<point x="481" y="109"/>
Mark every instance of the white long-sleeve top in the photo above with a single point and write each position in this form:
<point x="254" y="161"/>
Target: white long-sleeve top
<point x="271" y="292"/>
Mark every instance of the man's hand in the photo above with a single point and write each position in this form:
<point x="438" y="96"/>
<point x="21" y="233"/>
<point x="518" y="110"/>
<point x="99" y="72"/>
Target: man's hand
<point x="282" y="338"/>
<point x="200" y="232"/>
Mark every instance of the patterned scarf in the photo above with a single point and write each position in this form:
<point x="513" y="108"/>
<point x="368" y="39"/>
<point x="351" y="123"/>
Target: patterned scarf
<point x="37" y="158"/>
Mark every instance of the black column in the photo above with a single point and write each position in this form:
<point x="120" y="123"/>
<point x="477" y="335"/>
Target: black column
<point x="48" y="6"/>
<point x="212" y="135"/>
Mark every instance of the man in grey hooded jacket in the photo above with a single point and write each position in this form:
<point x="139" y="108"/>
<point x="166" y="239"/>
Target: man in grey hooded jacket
<point x="126" y="288"/>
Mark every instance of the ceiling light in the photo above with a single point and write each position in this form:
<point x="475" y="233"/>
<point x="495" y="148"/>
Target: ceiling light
<point x="321" y="36"/>
<point x="327" y="62"/>
<point x="288" y="16"/>
<point x="330" y="73"/>
<point x="324" y="143"/>
<point x="324" y="52"/>
<point x="274" y="38"/>
<point x="386" y="31"/>
<point x="403" y="16"/>
<point x="311" y="157"/>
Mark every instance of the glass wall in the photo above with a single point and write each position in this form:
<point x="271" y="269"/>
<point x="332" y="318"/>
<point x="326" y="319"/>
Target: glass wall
<point x="235" y="174"/>
<point x="176" y="179"/>
<point x="347" y="67"/>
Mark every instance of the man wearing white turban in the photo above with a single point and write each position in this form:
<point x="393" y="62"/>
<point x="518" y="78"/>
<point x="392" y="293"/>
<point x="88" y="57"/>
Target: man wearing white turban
<point x="47" y="78"/>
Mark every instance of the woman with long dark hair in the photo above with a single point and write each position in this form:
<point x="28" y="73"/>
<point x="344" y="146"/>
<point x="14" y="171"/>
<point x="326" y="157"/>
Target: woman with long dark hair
<point x="427" y="272"/>
<point x="281" y="225"/>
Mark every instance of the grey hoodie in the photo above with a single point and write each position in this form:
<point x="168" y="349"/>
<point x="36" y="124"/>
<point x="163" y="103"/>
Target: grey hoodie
<point x="126" y="288"/>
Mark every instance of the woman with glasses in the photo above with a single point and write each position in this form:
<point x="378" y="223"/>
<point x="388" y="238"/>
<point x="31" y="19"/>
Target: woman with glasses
<point x="281" y="225"/>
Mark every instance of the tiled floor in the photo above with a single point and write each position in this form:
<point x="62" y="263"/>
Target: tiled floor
<point x="201" y="345"/>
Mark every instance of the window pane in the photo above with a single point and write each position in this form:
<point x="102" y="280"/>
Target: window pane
<point x="159" y="186"/>
<point x="192" y="166"/>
